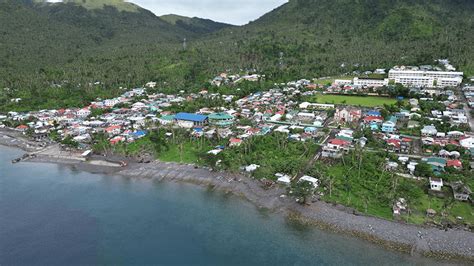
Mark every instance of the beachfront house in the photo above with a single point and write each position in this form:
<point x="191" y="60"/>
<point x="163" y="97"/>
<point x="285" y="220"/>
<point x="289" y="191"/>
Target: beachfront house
<point x="460" y="191"/>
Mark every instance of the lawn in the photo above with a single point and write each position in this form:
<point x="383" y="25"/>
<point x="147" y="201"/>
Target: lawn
<point x="452" y="208"/>
<point x="189" y="154"/>
<point x="368" y="101"/>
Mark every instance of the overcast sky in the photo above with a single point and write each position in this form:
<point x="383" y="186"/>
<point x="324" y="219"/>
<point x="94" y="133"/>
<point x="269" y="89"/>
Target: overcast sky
<point x="236" y="12"/>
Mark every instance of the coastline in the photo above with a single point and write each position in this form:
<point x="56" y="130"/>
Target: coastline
<point x="413" y="239"/>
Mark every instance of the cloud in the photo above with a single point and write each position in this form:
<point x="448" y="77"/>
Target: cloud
<point x="236" y="12"/>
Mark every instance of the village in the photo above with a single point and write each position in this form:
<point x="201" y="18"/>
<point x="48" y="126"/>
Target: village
<point x="419" y="118"/>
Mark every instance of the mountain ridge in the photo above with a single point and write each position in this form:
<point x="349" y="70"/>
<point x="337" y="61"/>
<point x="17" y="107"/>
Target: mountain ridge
<point x="46" y="44"/>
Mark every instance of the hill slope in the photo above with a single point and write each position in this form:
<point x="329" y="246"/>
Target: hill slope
<point x="316" y="37"/>
<point x="120" y="44"/>
<point x="38" y="35"/>
<point x="196" y="25"/>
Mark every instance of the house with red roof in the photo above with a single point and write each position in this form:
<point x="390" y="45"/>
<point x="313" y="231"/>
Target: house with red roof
<point x="113" y="130"/>
<point x="22" y="128"/>
<point x="335" y="148"/>
<point x="234" y="142"/>
<point x="373" y="119"/>
<point x="117" y="140"/>
<point x="454" y="163"/>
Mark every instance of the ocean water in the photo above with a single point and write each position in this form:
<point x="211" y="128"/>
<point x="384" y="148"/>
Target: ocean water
<point x="54" y="215"/>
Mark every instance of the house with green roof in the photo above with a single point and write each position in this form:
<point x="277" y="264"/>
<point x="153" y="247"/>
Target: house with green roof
<point x="166" y="119"/>
<point x="221" y="119"/>
<point x="437" y="164"/>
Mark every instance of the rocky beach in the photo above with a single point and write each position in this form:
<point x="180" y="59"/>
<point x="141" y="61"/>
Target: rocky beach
<point x="453" y="244"/>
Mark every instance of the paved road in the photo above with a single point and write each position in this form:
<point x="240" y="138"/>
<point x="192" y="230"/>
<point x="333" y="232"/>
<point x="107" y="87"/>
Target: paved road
<point x="464" y="101"/>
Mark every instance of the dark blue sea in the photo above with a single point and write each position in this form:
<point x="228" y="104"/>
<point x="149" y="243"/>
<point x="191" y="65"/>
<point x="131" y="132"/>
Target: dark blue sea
<point x="54" y="215"/>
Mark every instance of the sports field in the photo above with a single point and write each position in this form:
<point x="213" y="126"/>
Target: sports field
<point x="369" y="101"/>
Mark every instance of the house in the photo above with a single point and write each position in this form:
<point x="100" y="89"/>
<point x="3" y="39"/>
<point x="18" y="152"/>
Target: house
<point x="84" y="112"/>
<point x="113" y="130"/>
<point x="22" y="128"/>
<point x="390" y="125"/>
<point x="436" y="184"/>
<point x="117" y="140"/>
<point x="467" y="143"/>
<point x="429" y="131"/>
<point x="413" y="124"/>
<point x="166" y="119"/>
<point x="373" y="119"/>
<point x="437" y="164"/>
<point x="454" y="163"/>
<point x="221" y="119"/>
<point x="111" y="102"/>
<point x="460" y="191"/>
<point x="406" y="145"/>
<point x="374" y="113"/>
<point x="234" y="142"/>
<point x="187" y="120"/>
<point x="394" y="144"/>
<point x="347" y="115"/>
<point x="335" y="148"/>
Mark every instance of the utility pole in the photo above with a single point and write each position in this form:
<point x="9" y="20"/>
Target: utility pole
<point x="281" y="60"/>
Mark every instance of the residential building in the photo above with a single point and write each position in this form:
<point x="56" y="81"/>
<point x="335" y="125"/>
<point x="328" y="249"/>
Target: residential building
<point x="436" y="184"/>
<point x="429" y="131"/>
<point x="390" y="125"/>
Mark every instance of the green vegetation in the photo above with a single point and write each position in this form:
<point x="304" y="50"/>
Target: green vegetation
<point x="84" y="42"/>
<point x="197" y="25"/>
<point x="120" y="5"/>
<point x="275" y="153"/>
<point x="366" y="101"/>
<point x="360" y="181"/>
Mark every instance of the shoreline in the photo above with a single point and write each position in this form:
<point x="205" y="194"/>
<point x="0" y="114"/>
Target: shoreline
<point x="454" y="244"/>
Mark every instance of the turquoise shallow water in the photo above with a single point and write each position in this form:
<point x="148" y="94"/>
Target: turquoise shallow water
<point x="51" y="214"/>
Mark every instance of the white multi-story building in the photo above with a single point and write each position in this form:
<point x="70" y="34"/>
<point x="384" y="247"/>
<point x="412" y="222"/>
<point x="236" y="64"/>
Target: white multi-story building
<point x="361" y="82"/>
<point x="423" y="78"/>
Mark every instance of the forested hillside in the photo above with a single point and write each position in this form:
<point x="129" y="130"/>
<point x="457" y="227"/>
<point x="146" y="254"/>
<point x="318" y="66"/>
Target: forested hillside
<point x="55" y="54"/>
<point x="317" y="37"/>
<point x="197" y="25"/>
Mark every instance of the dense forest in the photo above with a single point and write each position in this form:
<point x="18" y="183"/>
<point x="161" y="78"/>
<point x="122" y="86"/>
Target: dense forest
<point x="69" y="53"/>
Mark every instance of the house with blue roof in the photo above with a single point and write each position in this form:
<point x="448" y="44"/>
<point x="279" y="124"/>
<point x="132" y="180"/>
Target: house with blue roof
<point x="187" y="120"/>
<point x="374" y="113"/>
<point x="311" y="130"/>
<point x="374" y="126"/>
<point x="390" y="125"/>
<point x="139" y="134"/>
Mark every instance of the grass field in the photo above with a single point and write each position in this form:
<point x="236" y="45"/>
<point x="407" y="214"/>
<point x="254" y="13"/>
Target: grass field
<point x="189" y="153"/>
<point x="368" y="101"/>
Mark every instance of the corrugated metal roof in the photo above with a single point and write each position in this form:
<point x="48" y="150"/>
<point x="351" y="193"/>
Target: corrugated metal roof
<point x="190" y="117"/>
